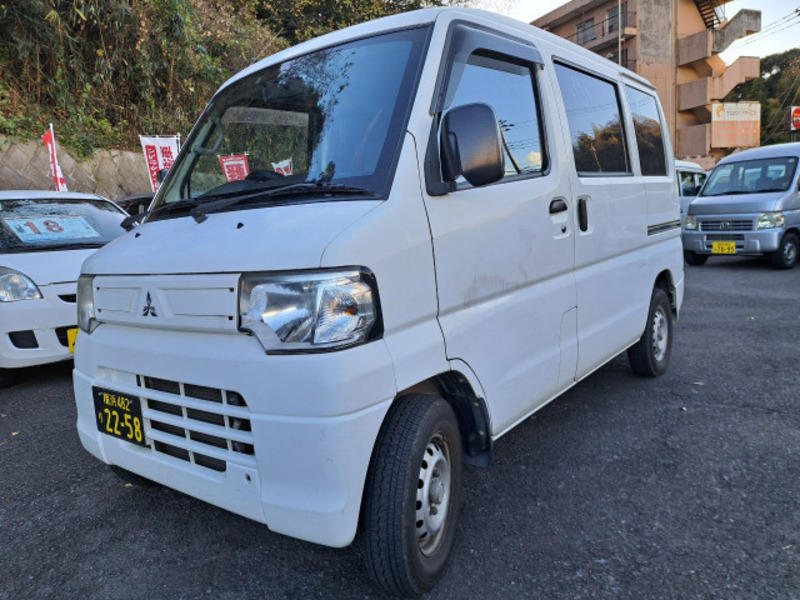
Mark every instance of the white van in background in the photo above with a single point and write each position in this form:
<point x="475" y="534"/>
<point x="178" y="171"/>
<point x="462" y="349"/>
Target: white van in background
<point x="378" y="252"/>
<point x="690" y="177"/>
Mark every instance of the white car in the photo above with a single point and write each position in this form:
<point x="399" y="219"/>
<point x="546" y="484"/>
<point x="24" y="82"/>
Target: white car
<point x="44" y="239"/>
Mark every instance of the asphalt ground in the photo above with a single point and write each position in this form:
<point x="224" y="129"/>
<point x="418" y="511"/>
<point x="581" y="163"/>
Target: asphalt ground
<point x="685" y="486"/>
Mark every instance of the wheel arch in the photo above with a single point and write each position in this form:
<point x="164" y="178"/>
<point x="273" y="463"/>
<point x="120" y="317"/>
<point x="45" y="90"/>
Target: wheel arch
<point x="666" y="282"/>
<point x="470" y="409"/>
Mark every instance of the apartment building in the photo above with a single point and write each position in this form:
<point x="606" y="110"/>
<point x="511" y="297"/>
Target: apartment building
<point x="676" y="46"/>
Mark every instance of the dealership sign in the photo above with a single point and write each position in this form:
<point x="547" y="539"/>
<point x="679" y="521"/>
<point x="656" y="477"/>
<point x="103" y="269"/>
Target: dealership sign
<point x="735" y="124"/>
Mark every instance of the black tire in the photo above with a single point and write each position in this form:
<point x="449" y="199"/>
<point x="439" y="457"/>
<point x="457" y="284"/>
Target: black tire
<point x="132" y="478"/>
<point x="785" y="257"/>
<point x="412" y="496"/>
<point x="694" y="259"/>
<point x="649" y="357"/>
<point x="7" y="377"/>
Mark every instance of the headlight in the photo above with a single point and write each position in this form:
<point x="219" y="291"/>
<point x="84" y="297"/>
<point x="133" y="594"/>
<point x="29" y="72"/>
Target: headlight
<point x="15" y="286"/>
<point x="770" y="220"/>
<point x="86" y="317"/>
<point x="309" y="311"/>
<point x="691" y="222"/>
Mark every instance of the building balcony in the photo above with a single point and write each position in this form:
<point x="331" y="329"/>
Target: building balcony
<point x="709" y="42"/>
<point x="697" y="95"/>
<point x="607" y="33"/>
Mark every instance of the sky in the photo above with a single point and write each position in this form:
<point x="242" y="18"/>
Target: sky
<point x="780" y="22"/>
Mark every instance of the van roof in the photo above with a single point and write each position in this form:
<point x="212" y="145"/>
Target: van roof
<point x="790" y="149"/>
<point x="429" y="15"/>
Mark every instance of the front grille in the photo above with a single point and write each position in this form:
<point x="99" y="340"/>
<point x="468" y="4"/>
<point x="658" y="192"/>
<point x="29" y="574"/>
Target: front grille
<point x="23" y="339"/>
<point x="726" y="225"/>
<point x="205" y="426"/>
<point x="63" y="337"/>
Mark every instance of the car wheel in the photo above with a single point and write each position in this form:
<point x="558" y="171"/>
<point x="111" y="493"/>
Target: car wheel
<point x="7" y="377"/>
<point x="649" y="357"/>
<point x="694" y="259"/>
<point x="785" y="257"/>
<point x="412" y="496"/>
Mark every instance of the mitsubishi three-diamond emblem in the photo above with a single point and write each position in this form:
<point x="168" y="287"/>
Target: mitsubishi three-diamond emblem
<point x="149" y="310"/>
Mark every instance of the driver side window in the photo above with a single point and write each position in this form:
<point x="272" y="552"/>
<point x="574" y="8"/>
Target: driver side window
<point x="509" y="89"/>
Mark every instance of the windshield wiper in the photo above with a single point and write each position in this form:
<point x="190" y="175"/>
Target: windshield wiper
<point x="201" y="206"/>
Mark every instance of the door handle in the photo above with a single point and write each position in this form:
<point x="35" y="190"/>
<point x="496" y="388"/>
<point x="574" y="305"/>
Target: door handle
<point x="583" y="214"/>
<point x="558" y="205"/>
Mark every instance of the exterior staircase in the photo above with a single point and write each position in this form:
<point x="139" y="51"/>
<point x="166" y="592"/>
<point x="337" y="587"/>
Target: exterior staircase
<point x="708" y="12"/>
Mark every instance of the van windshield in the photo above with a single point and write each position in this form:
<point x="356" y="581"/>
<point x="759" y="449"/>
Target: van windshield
<point x="323" y="125"/>
<point x="752" y="177"/>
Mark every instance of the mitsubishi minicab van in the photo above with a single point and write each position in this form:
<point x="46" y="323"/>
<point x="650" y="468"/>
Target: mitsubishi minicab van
<point x="750" y="205"/>
<point x="378" y="252"/>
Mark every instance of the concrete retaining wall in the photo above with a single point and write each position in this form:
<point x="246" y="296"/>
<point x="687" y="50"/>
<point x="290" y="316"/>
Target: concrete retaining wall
<point x="111" y="173"/>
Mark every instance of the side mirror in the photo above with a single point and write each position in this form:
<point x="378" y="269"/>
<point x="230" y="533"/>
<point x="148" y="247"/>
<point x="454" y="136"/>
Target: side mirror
<point x="470" y="145"/>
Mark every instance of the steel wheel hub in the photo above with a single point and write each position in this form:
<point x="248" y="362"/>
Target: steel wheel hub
<point x="660" y="334"/>
<point x="433" y="495"/>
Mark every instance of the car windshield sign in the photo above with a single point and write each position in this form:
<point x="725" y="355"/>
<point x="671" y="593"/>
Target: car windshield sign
<point x="332" y="117"/>
<point x="35" y="224"/>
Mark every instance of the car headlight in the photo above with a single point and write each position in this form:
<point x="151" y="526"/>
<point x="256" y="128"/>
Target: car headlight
<point x="770" y="220"/>
<point x="309" y="311"/>
<point x="15" y="286"/>
<point x="86" y="316"/>
<point x="690" y="222"/>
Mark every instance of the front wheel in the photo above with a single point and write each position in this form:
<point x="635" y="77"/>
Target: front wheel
<point x="649" y="357"/>
<point x="694" y="259"/>
<point x="785" y="257"/>
<point x="412" y="495"/>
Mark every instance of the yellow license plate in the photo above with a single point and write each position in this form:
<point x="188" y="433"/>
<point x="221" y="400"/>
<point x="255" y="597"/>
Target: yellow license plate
<point x="119" y="415"/>
<point x="723" y="247"/>
<point x="72" y="335"/>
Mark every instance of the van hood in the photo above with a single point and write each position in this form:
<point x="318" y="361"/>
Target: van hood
<point x="744" y="203"/>
<point x="45" y="268"/>
<point x="261" y="239"/>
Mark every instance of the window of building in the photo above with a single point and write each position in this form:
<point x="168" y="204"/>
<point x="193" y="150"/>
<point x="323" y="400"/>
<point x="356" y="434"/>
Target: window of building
<point x="612" y="18"/>
<point x="509" y="89"/>
<point x="649" y="132"/>
<point x="595" y="123"/>
<point x="586" y="31"/>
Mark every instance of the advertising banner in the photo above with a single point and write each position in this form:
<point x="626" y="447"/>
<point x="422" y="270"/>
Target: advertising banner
<point x="49" y="140"/>
<point x="159" y="152"/>
<point x="735" y="125"/>
<point x="234" y="166"/>
<point x="283" y="167"/>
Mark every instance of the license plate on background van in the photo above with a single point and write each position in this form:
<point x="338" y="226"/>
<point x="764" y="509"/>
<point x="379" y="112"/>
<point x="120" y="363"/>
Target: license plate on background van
<point x="119" y="415"/>
<point x="723" y="247"/>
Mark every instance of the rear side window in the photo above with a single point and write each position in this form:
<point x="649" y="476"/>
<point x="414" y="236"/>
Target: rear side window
<point x="595" y="123"/>
<point x="509" y="89"/>
<point x="649" y="133"/>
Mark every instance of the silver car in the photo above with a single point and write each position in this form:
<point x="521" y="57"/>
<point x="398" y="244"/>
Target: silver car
<point x="750" y="205"/>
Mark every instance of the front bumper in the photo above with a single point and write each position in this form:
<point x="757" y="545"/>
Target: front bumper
<point x="34" y="332"/>
<point x="761" y="241"/>
<point x="313" y="421"/>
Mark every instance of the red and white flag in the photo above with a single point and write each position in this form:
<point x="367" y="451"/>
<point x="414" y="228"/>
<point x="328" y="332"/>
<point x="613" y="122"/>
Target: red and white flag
<point x="235" y="166"/>
<point x="159" y="152"/>
<point x="49" y="140"/>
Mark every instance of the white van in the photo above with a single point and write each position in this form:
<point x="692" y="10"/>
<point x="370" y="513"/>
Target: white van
<point x="377" y="253"/>
<point x="690" y="177"/>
